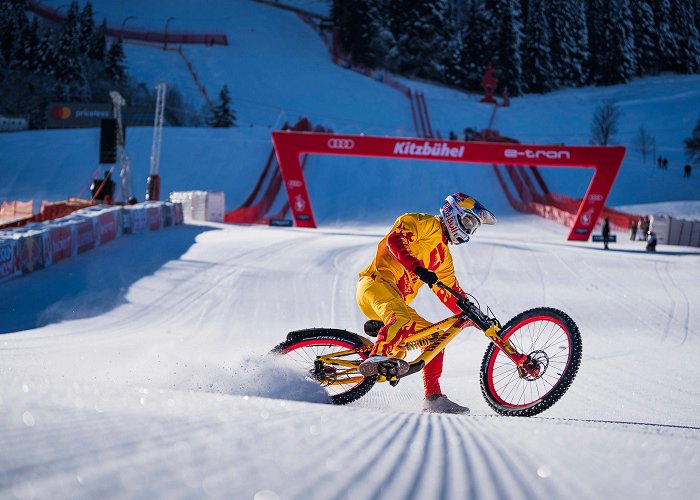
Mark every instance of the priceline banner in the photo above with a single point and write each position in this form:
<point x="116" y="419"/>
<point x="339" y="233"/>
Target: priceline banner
<point x="605" y="160"/>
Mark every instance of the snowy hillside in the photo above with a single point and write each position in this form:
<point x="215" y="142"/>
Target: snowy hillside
<point x="139" y="369"/>
<point x="278" y="70"/>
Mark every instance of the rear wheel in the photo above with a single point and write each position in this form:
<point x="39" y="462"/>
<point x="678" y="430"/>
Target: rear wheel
<point x="342" y="384"/>
<point x="552" y="341"/>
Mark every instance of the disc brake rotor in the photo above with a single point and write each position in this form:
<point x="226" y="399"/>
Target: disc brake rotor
<point x="535" y="366"/>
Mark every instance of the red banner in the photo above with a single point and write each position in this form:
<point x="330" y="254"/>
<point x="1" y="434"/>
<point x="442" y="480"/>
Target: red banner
<point x="107" y="226"/>
<point x="154" y="218"/>
<point x="61" y="243"/>
<point x="85" y="233"/>
<point x="605" y="160"/>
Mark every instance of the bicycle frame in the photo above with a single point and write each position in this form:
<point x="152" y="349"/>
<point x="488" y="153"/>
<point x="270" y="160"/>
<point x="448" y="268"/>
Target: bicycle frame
<point x="432" y="340"/>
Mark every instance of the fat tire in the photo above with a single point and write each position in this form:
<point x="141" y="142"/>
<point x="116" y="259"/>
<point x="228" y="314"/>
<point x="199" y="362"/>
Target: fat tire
<point x="567" y="377"/>
<point x="325" y="334"/>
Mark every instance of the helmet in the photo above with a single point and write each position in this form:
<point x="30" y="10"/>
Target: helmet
<point x="463" y="215"/>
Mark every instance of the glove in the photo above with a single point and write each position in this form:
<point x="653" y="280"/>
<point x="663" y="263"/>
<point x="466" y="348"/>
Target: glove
<point x="426" y="275"/>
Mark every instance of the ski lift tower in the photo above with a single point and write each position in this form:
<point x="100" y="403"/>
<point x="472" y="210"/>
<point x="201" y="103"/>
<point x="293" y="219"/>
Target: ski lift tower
<point x="153" y="186"/>
<point x="122" y="158"/>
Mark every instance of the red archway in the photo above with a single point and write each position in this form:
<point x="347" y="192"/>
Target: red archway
<point x="606" y="160"/>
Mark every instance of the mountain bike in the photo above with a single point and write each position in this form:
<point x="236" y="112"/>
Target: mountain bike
<point x="529" y="364"/>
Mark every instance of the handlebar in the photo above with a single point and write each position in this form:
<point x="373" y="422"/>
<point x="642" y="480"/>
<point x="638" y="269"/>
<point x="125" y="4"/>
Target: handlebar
<point x="469" y="308"/>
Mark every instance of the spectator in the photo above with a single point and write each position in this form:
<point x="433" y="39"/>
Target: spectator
<point x="651" y="244"/>
<point x="665" y="163"/>
<point x="643" y="227"/>
<point x="687" y="170"/>
<point x="660" y="162"/>
<point x="634" y="230"/>
<point x="606" y="232"/>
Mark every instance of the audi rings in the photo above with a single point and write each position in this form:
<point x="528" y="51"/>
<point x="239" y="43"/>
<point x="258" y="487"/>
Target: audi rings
<point x="339" y="143"/>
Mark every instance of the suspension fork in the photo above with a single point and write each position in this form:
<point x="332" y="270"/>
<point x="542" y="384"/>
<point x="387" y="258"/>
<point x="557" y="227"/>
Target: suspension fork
<point x="490" y="326"/>
<point x="491" y="333"/>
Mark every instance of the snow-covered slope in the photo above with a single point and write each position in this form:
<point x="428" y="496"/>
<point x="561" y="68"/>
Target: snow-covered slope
<point x="138" y="369"/>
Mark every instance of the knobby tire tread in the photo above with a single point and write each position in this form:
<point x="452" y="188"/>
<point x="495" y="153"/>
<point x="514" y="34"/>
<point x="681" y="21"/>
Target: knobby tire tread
<point x="564" y="382"/>
<point x="354" y="339"/>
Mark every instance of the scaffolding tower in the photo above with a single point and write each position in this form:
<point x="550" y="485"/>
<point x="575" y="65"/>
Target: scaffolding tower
<point x="153" y="190"/>
<point x="123" y="159"/>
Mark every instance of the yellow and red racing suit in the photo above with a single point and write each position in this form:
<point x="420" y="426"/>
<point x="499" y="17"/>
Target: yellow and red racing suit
<point x="389" y="284"/>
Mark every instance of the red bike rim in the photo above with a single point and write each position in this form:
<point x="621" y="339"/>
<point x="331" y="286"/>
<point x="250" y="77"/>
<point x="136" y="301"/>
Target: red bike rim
<point x="497" y="352"/>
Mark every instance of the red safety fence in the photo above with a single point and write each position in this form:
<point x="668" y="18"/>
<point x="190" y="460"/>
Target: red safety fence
<point x="141" y="35"/>
<point x="252" y="212"/>
<point x="49" y="210"/>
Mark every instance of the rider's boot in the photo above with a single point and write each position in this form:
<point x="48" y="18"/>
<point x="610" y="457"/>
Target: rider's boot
<point x="391" y="368"/>
<point x="385" y="357"/>
<point x="439" y="403"/>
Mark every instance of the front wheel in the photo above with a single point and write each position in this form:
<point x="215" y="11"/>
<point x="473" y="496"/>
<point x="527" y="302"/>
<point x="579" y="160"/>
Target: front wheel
<point x="342" y="384"/>
<point x="552" y="341"/>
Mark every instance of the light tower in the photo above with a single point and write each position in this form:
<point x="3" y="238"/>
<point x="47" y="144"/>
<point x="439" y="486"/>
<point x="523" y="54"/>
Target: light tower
<point x="153" y="186"/>
<point x="122" y="158"/>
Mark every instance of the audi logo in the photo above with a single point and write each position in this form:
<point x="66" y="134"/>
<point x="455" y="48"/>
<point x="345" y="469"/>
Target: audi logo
<point x="337" y="143"/>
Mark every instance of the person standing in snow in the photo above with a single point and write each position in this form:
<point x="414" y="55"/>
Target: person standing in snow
<point x="416" y="251"/>
<point x="606" y="232"/>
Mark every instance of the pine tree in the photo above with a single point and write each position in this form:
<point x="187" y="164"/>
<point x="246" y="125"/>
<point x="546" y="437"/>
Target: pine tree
<point x="685" y="32"/>
<point x="46" y="54"/>
<point x="13" y="18"/>
<point x="87" y="29"/>
<point x="568" y="42"/>
<point x="115" y="67"/>
<point x="665" y="40"/>
<point x="618" y="61"/>
<point x="353" y="26"/>
<point x="382" y="46"/>
<point x="222" y="115"/>
<point x="692" y="145"/>
<point x="506" y="42"/>
<point x="30" y="45"/>
<point x="71" y="83"/>
<point x="538" y="74"/>
<point x="646" y="53"/>
<point x="597" y="20"/>
<point x="476" y="43"/>
<point x="99" y="43"/>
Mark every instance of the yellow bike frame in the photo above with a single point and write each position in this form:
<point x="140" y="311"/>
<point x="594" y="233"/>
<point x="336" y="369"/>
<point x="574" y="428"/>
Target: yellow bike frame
<point x="432" y="339"/>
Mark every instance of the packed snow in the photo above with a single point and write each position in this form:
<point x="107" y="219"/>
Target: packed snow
<point x="140" y="369"/>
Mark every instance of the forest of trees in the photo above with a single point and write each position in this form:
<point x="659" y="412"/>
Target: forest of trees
<point x="535" y="45"/>
<point x="70" y="61"/>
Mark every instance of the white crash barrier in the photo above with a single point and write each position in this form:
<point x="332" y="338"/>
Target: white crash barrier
<point x="30" y="248"/>
<point x="671" y="231"/>
<point x="8" y="259"/>
<point x="201" y="205"/>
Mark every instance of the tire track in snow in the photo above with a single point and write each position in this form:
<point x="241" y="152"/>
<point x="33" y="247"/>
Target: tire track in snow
<point x="672" y="292"/>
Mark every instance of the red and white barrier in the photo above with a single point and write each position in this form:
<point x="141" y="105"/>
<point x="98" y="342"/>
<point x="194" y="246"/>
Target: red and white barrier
<point x="37" y="246"/>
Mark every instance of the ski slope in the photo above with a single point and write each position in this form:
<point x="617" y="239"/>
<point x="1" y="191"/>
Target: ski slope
<point x="139" y="369"/>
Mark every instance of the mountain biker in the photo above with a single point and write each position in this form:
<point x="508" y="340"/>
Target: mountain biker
<point x="415" y="252"/>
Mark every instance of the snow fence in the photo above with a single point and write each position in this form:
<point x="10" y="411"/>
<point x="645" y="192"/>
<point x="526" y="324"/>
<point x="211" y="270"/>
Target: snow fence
<point x="37" y="246"/>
